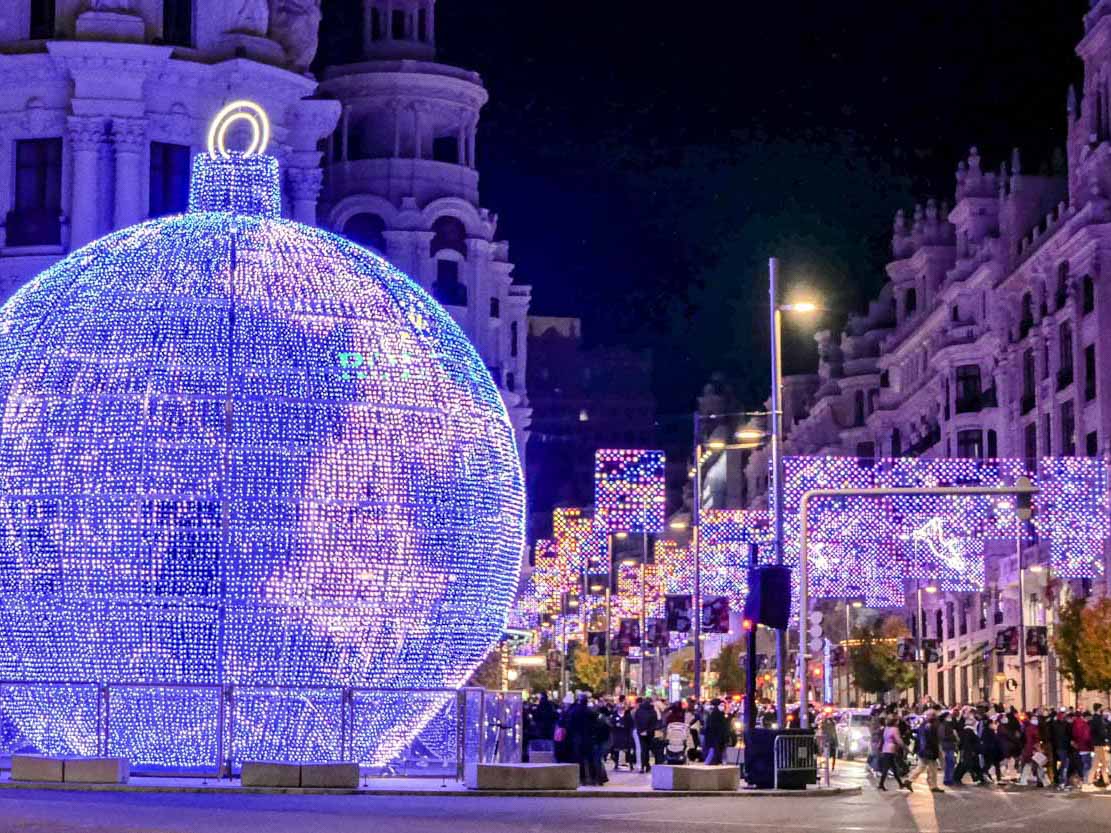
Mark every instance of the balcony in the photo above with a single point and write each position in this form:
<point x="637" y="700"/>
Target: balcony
<point x="1064" y="378"/>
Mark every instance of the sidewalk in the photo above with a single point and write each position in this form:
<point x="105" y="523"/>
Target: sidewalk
<point x="622" y="784"/>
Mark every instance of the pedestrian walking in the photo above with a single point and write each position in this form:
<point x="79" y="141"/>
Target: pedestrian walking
<point x="948" y="735"/>
<point x="928" y="742"/>
<point x="890" y="748"/>
<point x="715" y="733"/>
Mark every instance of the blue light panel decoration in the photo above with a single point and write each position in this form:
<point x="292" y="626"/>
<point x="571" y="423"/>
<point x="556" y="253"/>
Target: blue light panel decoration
<point x="198" y="491"/>
<point x="629" y="489"/>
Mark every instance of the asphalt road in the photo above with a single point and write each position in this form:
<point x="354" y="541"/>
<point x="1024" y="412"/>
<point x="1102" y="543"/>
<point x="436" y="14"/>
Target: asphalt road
<point x="966" y="811"/>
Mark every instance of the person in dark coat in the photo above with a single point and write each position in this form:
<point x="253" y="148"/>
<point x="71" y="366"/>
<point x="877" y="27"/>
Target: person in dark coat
<point x="992" y="750"/>
<point x="970" y="754"/>
<point x="715" y="733"/>
<point x="621" y="736"/>
<point x="581" y="727"/>
<point x="544" y="718"/>
<point x="1060" y="738"/>
<point x="645" y="723"/>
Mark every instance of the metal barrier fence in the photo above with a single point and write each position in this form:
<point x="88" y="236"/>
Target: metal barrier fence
<point x="222" y="725"/>
<point x="794" y="753"/>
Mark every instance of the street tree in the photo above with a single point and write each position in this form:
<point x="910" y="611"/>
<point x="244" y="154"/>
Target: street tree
<point x="729" y="667"/>
<point x="1094" y="648"/>
<point x="875" y="666"/>
<point x="1067" y="642"/>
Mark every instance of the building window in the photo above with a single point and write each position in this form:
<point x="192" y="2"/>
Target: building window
<point x="1062" y="285"/>
<point x="367" y="230"/>
<point x="422" y="25"/>
<point x="1029" y="381"/>
<point x="1089" y="293"/>
<point x="1047" y="436"/>
<point x="896" y="443"/>
<point x="968" y="388"/>
<point x="42" y="19"/>
<point x="169" y="178"/>
<point x="1089" y="373"/>
<point x="1031" y="446"/>
<point x="858" y="408"/>
<point x="970" y="443"/>
<point x="495" y="308"/>
<point x="939" y="622"/>
<point x="1068" y="430"/>
<point x="1026" y="324"/>
<point x="446" y="149"/>
<point x="448" y="233"/>
<point x="375" y="24"/>
<point x="513" y="339"/>
<point x="510" y="381"/>
<point x="1091" y="444"/>
<point x="993" y="443"/>
<point x="398" y="25"/>
<point x="177" y="22"/>
<point x="1064" y="370"/>
<point x="865" y="451"/>
<point x="910" y="301"/>
<point x="448" y="289"/>
<point x="35" y="219"/>
<point x="950" y="621"/>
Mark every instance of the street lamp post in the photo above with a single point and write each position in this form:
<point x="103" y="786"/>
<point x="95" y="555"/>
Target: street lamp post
<point x="777" y="479"/>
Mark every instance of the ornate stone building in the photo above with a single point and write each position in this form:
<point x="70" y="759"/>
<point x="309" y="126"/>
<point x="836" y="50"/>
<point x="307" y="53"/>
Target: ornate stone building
<point x="103" y="103"/>
<point x="401" y="178"/>
<point x="991" y="338"/>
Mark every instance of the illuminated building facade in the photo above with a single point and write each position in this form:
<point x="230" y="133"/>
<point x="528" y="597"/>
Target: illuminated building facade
<point x="991" y="339"/>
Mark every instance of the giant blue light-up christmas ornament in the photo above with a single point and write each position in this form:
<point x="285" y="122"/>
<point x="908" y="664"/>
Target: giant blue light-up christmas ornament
<point x="243" y="453"/>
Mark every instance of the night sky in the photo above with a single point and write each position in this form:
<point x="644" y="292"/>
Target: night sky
<point x="646" y="158"/>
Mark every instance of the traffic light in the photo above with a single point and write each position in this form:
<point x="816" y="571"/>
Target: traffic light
<point x="1024" y="501"/>
<point x="746" y="625"/>
<point x="816" y="672"/>
<point x="815" y="638"/>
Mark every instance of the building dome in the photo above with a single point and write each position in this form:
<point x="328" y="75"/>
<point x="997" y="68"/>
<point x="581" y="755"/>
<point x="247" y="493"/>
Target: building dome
<point x="241" y="452"/>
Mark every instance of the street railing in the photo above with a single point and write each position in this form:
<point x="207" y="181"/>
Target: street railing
<point x="794" y="753"/>
<point x="221" y="724"/>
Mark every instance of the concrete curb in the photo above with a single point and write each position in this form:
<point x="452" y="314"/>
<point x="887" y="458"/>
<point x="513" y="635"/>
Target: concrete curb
<point x="453" y="792"/>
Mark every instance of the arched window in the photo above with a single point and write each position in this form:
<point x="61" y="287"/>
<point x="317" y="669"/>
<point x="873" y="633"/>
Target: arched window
<point x="448" y="233"/>
<point x="448" y="289"/>
<point x="910" y="301"/>
<point x="367" y="230"/>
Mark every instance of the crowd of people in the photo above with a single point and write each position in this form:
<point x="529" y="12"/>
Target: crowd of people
<point x="630" y="731"/>
<point x="1066" y="748"/>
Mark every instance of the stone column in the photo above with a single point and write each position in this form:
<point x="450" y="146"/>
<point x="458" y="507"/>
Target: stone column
<point x="129" y="136"/>
<point x="86" y="135"/>
<point x="304" y="186"/>
<point x="472" y="130"/>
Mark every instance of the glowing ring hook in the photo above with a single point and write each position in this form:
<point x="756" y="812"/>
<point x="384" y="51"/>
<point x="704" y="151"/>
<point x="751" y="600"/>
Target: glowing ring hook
<point x="241" y="110"/>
